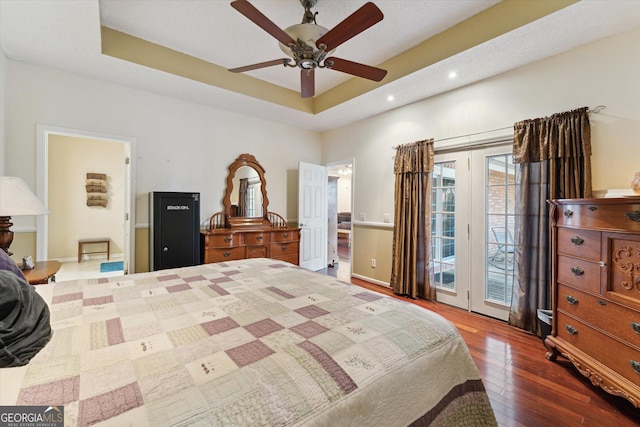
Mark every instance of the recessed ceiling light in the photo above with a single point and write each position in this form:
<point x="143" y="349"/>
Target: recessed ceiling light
<point x="390" y="98"/>
<point x="453" y="75"/>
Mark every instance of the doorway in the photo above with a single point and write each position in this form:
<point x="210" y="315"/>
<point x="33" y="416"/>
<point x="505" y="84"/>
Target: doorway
<point x="126" y="184"/>
<point x="340" y="212"/>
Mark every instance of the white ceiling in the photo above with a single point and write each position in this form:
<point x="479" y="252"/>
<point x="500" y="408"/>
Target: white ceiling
<point x="65" y="35"/>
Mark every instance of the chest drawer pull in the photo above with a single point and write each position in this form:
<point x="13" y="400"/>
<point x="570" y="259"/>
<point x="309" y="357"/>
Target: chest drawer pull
<point x="636" y="327"/>
<point x="635" y="365"/>
<point x="285" y="235"/>
<point x="633" y="216"/>
<point x="592" y="208"/>
<point x="571" y="330"/>
<point x="602" y="302"/>
<point x="577" y="271"/>
<point x="568" y="213"/>
<point x="226" y="254"/>
<point x="228" y="239"/>
<point x="577" y="241"/>
<point x="284" y="247"/>
<point x="572" y="300"/>
<point x="258" y="238"/>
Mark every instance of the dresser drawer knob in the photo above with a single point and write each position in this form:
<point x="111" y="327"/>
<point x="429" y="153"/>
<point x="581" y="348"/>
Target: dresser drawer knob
<point x="602" y="263"/>
<point x="635" y="365"/>
<point x="636" y="327"/>
<point x="602" y="302"/>
<point x="571" y="330"/>
<point x="285" y="235"/>
<point x="577" y="271"/>
<point x="228" y="239"/>
<point x="572" y="300"/>
<point x="258" y="238"/>
<point x="592" y="208"/>
<point x="284" y="247"/>
<point x="633" y="216"/>
<point x="577" y="241"/>
<point x="226" y="254"/>
<point x="568" y="213"/>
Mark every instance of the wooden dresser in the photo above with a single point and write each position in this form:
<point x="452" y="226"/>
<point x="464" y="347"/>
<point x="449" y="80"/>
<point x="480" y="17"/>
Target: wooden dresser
<point x="596" y="293"/>
<point x="229" y="244"/>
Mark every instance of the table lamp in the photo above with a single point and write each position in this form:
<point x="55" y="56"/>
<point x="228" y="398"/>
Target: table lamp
<point x="16" y="198"/>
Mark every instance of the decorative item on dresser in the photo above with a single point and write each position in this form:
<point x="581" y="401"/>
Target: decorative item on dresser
<point x="596" y="276"/>
<point x="246" y="228"/>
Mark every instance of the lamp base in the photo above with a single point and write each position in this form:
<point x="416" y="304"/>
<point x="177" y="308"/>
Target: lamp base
<point x="6" y="235"/>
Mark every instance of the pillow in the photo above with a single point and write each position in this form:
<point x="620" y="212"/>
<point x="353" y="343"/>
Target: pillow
<point x="24" y="321"/>
<point x="6" y="263"/>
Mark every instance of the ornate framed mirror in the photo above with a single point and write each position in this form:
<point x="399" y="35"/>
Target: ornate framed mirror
<point x="245" y="199"/>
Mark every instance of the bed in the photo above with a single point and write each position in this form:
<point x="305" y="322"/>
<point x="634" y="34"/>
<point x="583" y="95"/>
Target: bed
<point x="256" y="342"/>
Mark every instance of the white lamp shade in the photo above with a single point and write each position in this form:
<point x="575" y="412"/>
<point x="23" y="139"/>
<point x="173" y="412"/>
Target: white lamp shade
<point x="16" y="198"/>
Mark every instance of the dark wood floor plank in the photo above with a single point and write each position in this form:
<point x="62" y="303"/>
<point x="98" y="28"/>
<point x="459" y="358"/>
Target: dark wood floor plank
<point x="524" y="388"/>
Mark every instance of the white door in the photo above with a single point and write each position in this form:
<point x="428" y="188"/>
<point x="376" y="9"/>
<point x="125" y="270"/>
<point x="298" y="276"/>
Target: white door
<point x="312" y="215"/>
<point x="450" y="228"/>
<point x="473" y="229"/>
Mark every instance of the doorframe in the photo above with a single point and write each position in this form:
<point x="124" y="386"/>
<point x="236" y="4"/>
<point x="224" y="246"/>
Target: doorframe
<point x="42" y="185"/>
<point x="352" y="162"/>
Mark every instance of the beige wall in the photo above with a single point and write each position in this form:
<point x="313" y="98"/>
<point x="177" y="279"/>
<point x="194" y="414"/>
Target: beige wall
<point x="605" y="72"/>
<point x="179" y="146"/>
<point x="70" y="159"/>
<point x="372" y="242"/>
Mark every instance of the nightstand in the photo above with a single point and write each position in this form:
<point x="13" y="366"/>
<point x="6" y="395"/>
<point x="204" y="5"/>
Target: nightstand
<point x="42" y="272"/>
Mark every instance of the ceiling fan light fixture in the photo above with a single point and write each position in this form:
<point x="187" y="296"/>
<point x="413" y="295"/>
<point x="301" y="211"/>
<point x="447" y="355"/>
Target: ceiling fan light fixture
<point x="306" y="35"/>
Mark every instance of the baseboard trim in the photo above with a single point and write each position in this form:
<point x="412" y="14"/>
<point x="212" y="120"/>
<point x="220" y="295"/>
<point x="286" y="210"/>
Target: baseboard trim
<point x="370" y="279"/>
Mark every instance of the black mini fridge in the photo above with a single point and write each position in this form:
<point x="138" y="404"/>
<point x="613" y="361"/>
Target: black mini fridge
<point x="174" y="237"/>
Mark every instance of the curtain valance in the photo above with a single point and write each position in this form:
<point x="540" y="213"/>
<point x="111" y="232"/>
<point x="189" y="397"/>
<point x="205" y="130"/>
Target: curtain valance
<point x="562" y="135"/>
<point x="415" y="157"/>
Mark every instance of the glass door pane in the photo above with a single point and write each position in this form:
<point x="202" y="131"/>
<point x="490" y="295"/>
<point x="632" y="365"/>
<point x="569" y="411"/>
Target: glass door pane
<point x="443" y="222"/>
<point x="500" y="226"/>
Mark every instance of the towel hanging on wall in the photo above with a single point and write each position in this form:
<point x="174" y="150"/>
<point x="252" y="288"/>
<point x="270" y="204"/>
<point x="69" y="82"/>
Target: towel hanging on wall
<point x="96" y="186"/>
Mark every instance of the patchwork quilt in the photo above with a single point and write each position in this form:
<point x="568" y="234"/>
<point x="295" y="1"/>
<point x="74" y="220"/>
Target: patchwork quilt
<point x="249" y="343"/>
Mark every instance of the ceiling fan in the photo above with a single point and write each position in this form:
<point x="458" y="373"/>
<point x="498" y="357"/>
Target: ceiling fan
<point x="308" y="44"/>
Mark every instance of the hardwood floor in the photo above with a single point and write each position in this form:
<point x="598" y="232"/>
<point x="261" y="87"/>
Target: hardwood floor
<point x="526" y="389"/>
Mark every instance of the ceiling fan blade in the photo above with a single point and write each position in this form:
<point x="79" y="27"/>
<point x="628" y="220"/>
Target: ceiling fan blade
<point x="351" y="26"/>
<point x="248" y="10"/>
<point x="357" y="69"/>
<point x="307" y="83"/>
<point x="259" y="65"/>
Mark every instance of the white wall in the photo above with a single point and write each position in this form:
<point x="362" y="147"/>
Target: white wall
<point x="605" y="72"/>
<point x="3" y="111"/>
<point x="344" y="193"/>
<point x="180" y="146"/>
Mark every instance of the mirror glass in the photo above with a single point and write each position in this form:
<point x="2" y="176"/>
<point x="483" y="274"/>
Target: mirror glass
<point x="246" y="195"/>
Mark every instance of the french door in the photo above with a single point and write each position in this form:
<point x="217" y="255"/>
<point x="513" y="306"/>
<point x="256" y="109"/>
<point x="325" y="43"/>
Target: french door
<point x="473" y="229"/>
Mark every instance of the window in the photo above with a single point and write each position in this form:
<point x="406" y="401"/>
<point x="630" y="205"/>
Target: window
<point x="443" y="221"/>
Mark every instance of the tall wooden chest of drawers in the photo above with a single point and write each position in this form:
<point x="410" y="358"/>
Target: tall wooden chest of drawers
<point x="596" y="293"/>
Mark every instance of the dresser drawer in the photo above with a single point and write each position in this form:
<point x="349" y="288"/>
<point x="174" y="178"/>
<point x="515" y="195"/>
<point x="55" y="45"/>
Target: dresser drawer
<point x="224" y="254"/>
<point x="223" y="239"/>
<point x="609" y="214"/>
<point x="580" y="243"/>
<point x="579" y="273"/>
<point x="257" y="251"/>
<point x="256" y="238"/>
<point x="285" y="235"/>
<point x="609" y="316"/>
<point x="621" y="358"/>
<point x="280" y="249"/>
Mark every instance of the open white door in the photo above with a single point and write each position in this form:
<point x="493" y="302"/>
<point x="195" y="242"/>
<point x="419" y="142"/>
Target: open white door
<point x="312" y="215"/>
